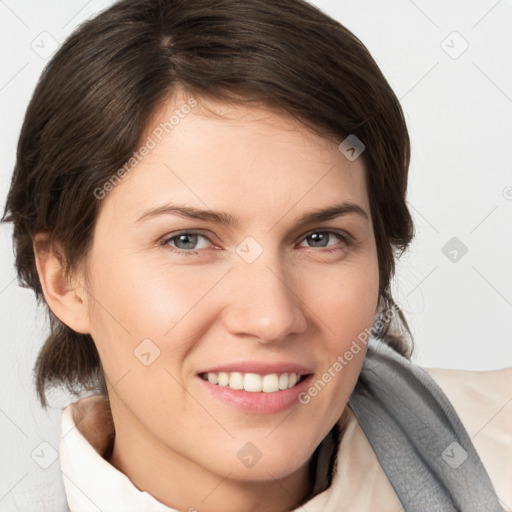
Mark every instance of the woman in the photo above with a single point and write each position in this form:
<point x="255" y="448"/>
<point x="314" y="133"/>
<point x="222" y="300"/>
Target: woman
<point x="209" y="196"/>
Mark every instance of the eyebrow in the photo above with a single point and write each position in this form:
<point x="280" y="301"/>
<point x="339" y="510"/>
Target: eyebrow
<point x="226" y="219"/>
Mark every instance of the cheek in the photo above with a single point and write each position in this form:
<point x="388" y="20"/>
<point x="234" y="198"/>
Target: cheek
<point x="348" y="316"/>
<point x="349" y="302"/>
<point x="135" y="300"/>
<point x="347" y="310"/>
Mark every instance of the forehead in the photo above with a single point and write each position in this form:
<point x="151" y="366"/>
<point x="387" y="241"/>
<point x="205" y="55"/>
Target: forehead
<point x="252" y="160"/>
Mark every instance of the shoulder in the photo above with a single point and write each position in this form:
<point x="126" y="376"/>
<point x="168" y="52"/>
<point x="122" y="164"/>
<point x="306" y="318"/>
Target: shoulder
<point x="483" y="402"/>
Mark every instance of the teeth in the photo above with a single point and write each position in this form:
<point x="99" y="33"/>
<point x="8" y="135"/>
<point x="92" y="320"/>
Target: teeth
<point x="253" y="382"/>
<point x="236" y="381"/>
<point x="223" y="379"/>
<point x="283" y="381"/>
<point x="270" y="383"/>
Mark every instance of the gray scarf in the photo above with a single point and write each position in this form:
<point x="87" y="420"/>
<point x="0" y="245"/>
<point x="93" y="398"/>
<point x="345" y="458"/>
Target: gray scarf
<point x="418" y="438"/>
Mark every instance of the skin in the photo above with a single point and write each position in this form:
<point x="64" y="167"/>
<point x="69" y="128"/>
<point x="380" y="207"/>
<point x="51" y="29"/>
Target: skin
<point x="296" y="302"/>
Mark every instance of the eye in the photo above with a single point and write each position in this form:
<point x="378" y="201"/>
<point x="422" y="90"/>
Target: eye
<point x="189" y="243"/>
<point x="186" y="243"/>
<point x="322" y="238"/>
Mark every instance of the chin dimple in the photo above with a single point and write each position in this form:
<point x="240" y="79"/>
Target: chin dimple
<point x="252" y="382"/>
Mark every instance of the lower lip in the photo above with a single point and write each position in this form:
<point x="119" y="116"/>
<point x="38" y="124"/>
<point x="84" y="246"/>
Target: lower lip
<point x="259" y="403"/>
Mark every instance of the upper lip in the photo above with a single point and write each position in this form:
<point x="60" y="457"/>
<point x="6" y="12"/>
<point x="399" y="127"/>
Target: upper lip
<point x="260" y="368"/>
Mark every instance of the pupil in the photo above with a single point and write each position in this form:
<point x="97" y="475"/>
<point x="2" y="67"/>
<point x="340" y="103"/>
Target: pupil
<point x="182" y="238"/>
<point x="318" y="237"/>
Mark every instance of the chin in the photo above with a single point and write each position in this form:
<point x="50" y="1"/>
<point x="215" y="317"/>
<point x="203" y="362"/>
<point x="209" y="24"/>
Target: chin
<point x="261" y="460"/>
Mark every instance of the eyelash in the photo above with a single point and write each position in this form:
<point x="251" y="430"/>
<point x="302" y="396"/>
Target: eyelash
<point x="346" y="238"/>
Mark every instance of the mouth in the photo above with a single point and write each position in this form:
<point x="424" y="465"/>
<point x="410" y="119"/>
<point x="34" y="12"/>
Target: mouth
<point x="254" y="382"/>
<point x="256" y="387"/>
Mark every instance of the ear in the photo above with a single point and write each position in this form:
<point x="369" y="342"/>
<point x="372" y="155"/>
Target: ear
<point x="67" y="301"/>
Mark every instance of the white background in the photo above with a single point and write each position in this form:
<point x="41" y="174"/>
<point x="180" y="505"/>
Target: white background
<point x="459" y="112"/>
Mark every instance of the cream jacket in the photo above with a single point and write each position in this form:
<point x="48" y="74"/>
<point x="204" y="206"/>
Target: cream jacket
<point x="483" y="401"/>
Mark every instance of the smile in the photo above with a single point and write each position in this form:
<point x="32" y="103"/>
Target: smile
<point x="253" y="382"/>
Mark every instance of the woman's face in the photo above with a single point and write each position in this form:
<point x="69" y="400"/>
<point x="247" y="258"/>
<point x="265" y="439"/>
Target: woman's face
<point x="180" y="298"/>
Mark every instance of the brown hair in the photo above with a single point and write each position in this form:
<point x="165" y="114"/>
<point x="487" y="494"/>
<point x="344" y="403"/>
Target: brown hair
<point x="97" y="95"/>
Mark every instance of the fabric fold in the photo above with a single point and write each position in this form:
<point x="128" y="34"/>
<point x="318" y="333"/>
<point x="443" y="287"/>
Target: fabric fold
<point x="418" y="437"/>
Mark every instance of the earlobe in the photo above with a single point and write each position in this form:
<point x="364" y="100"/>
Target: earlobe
<point x="67" y="300"/>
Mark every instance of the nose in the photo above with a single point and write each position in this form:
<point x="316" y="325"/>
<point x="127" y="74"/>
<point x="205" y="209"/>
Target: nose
<point x="263" y="302"/>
